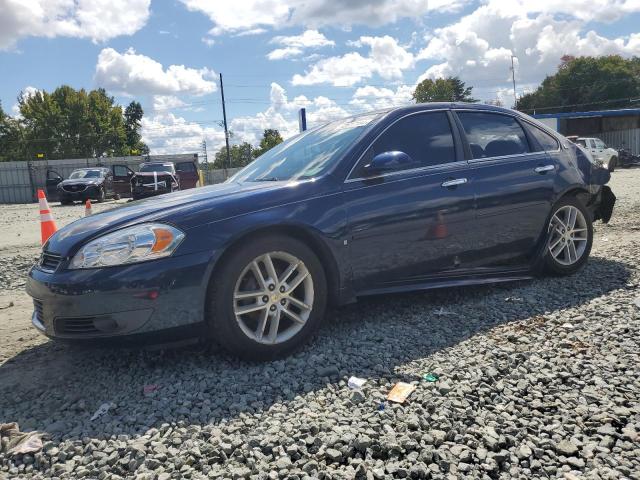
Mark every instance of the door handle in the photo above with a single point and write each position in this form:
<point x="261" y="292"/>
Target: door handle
<point x="544" y="168"/>
<point x="454" y="183"/>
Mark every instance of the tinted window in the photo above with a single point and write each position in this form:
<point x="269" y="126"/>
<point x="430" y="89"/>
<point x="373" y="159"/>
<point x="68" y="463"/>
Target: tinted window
<point x="120" y="171"/>
<point x="157" y="167"/>
<point x="493" y="135"/>
<point x="186" y="167"/>
<point x="426" y="138"/>
<point x="582" y="142"/>
<point x="546" y="141"/>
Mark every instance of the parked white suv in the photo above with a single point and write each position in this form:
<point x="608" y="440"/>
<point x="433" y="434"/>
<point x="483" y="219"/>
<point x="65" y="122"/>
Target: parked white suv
<point x="602" y="153"/>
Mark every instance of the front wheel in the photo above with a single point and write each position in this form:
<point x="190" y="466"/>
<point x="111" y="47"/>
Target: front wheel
<point x="267" y="298"/>
<point x="570" y="235"/>
<point x="613" y="163"/>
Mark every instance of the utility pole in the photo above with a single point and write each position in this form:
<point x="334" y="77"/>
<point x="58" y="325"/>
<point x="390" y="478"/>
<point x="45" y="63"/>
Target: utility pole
<point x="226" y="130"/>
<point x="513" y="77"/>
<point x="204" y="155"/>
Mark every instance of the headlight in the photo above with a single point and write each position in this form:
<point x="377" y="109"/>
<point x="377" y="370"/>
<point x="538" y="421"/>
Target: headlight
<point x="139" y="243"/>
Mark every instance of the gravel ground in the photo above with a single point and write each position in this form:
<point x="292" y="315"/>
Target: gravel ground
<point x="537" y="379"/>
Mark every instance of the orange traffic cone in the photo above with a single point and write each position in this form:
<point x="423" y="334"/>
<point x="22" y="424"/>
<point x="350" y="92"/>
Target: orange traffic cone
<point x="87" y="208"/>
<point x="47" y="224"/>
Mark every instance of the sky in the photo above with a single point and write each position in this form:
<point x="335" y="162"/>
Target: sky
<point x="333" y="57"/>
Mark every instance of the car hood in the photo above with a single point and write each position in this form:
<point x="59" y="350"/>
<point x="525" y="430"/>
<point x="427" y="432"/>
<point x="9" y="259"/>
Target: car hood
<point x="185" y="209"/>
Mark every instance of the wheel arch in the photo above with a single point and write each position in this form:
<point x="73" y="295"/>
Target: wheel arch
<point x="299" y="232"/>
<point x="578" y="191"/>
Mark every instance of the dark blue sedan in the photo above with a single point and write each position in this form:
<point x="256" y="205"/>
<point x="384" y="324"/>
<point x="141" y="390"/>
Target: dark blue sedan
<point x="428" y="196"/>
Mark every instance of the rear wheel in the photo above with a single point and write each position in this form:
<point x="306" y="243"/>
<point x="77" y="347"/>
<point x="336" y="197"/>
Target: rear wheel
<point x="613" y="163"/>
<point x="570" y="237"/>
<point x="267" y="298"/>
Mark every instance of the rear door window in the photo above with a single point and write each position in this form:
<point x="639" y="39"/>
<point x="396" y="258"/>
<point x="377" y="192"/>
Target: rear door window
<point x="493" y="135"/>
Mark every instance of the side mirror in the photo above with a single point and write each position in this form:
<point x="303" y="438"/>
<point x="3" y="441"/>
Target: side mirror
<point x="390" y="162"/>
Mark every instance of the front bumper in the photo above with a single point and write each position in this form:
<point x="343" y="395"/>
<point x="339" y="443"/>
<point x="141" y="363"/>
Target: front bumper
<point x="134" y="302"/>
<point x="144" y="192"/>
<point x="90" y="193"/>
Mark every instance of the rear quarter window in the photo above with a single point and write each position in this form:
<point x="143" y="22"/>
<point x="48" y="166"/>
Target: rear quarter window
<point x="546" y="141"/>
<point x="186" y="167"/>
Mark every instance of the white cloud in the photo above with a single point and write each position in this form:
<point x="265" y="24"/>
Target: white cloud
<point x="386" y="58"/>
<point x="167" y="102"/>
<point x="479" y="46"/>
<point x="26" y="93"/>
<point x="167" y="133"/>
<point x="135" y="74"/>
<point x="308" y="39"/>
<point x="282" y="53"/>
<point x="295" y="45"/>
<point x="245" y="15"/>
<point x="98" y="20"/>
<point x="374" y="98"/>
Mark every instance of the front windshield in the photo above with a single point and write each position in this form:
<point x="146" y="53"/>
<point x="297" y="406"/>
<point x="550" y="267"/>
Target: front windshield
<point x="155" y="167"/>
<point x="306" y="155"/>
<point x="86" y="174"/>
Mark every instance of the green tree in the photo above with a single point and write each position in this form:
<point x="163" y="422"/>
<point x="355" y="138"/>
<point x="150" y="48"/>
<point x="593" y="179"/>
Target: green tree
<point x="69" y="123"/>
<point x="270" y="138"/>
<point x="11" y="143"/>
<point x="241" y="155"/>
<point x="586" y="83"/>
<point x="450" y="89"/>
<point x="132" y="124"/>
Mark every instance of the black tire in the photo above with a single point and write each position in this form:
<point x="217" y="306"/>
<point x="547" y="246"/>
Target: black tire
<point x="552" y="265"/>
<point x="101" y="195"/>
<point x="220" y="315"/>
<point x="116" y="196"/>
<point x="613" y="163"/>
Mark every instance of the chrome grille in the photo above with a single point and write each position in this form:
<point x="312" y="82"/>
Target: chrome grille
<point x="49" y="262"/>
<point x="74" y="188"/>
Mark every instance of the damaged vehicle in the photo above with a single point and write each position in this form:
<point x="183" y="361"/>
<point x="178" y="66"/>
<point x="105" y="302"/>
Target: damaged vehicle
<point x="434" y="195"/>
<point x="154" y="178"/>
<point x="83" y="184"/>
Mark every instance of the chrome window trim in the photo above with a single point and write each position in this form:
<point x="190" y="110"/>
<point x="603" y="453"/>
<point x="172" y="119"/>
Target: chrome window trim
<point x="474" y="161"/>
<point x="383" y="175"/>
<point x="426" y="169"/>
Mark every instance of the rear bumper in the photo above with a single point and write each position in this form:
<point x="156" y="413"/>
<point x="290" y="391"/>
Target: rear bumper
<point x="141" y="302"/>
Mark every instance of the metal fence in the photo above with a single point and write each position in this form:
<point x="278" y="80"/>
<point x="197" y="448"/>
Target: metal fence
<point x="629" y="139"/>
<point x="20" y="181"/>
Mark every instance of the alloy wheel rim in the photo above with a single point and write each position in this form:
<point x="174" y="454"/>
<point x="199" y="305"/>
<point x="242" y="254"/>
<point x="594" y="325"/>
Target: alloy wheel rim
<point x="569" y="235"/>
<point x="273" y="298"/>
